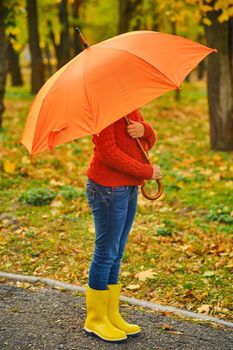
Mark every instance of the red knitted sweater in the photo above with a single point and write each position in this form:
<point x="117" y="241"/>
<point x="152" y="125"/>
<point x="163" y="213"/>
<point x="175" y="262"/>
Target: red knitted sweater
<point x="118" y="160"/>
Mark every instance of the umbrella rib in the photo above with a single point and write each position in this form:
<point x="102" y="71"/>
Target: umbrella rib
<point x="84" y="84"/>
<point x="142" y="59"/>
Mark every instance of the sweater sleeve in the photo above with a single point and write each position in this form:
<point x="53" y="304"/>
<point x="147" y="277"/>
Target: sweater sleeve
<point x="149" y="133"/>
<point x="110" y="154"/>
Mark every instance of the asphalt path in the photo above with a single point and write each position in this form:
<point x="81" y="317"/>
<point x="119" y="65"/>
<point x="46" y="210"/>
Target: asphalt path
<point x="51" y="319"/>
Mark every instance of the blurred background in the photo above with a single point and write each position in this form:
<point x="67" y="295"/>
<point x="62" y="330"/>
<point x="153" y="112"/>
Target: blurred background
<point x="180" y="249"/>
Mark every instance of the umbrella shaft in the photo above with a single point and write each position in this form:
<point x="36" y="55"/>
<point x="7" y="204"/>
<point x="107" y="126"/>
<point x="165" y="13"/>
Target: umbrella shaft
<point x="139" y="143"/>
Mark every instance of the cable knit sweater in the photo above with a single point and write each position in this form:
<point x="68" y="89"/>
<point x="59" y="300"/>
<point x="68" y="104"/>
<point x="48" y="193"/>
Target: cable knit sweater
<point x="117" y="159"/>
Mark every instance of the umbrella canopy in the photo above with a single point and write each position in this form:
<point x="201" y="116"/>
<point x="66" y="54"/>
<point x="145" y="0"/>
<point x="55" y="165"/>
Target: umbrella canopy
<point x="105" y="82"/>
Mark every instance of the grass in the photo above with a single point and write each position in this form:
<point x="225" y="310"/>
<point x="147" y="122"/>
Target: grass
<point x="186" y="239"/>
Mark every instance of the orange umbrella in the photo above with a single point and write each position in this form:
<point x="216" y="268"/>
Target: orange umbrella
<point x="105" y="82"/>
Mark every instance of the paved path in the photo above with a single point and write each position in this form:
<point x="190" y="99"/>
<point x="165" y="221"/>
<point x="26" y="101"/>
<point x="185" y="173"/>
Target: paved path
<point x="50" y="319"/>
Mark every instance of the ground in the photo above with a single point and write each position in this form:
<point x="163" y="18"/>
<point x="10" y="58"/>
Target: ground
<point x="37" y="318"/>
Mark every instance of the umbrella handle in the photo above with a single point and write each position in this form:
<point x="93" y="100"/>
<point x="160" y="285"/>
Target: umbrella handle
<point x="160" y="184"/>
<point x="155" y="196"/>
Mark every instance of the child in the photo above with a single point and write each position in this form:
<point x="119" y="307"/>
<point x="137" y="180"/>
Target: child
<point x="117" y="169"/>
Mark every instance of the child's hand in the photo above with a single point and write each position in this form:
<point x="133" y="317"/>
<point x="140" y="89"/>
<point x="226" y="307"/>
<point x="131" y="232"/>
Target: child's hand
<point x="156" y="172"/>
<point x="136" y="129"/>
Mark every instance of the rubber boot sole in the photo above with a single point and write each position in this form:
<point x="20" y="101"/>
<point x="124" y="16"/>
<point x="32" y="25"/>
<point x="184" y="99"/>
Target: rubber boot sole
<point x="93" y="333"/>
<point x="135" y="335"/>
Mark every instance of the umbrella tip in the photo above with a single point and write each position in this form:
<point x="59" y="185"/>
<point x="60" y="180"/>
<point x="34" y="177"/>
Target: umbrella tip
<point x="81" y="38"/>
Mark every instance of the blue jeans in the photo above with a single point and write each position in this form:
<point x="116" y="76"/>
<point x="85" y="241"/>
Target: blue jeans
<point x="113" y="209"/>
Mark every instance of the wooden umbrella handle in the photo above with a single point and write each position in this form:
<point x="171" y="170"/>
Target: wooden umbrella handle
<point x="155" y="196"/>
<point x="159" y="193"/>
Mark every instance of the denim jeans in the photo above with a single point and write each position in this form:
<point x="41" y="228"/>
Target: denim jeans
<point x="113" y="209"/>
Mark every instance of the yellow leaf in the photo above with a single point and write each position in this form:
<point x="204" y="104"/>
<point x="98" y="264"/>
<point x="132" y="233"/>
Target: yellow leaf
<point x="206" y="8"/>
<point x="180" y="184"/>
<point x="228" y="184"/>
<point x="125" y="273"/>
<point x="55" y="212"/>
<point x="206" y="21"/>
<point x="54" y="182"/>
<point x="25" y="160"/>
<point x="2" y="240"/>
<point x="209" y="273"/>
<point x="56" y="204"/>
<point x="215" y="177"/>
<point x="91" y="228"/>
<point x="142" y="276"/>
<point x="9" y="167"/>
<point x="206" y="172"/>
<point x="230" y="265"/>
<point x="217" y="158"/>
<point x="204" y="308"/>
<point x="133" y="286"/>
<point x="223" y="17"/>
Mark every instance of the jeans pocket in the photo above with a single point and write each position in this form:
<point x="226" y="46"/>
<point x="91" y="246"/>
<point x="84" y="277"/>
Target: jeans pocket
<point x="91" y="193"/>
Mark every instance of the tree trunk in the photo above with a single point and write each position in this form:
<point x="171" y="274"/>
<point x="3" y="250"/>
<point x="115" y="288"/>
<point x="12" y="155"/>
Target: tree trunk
<point x="52" y="37"/>
<point x="177" y="91"/>
<point x="37" y="75"/>
<point x="13" y="65"/>
<point x="3" y="55"/>
<point x="76" y="42"/>
<point x="126" y="9"/>
<point x="201" y="70"/>
<point x="123" y="24"/>
<point x="48" y="57"/>
<point x="220" y="82"/>
<point x="64" y="46"/>
<point x="155" y="15"/>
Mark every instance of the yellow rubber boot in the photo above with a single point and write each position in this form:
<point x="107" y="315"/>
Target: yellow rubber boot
<point x="114" y="314"/>
<point x="97" y="321"/>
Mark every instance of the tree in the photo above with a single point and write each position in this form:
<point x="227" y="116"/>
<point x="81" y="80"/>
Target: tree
<point x="126" y="12"/>
<point x="64" y="45"/>
<point x="216" y="18"/>
<point x="3" y="55"/>
<point x="76" y="13"/>
<point x="219" y="35"/>
<point x="37" y="75"/>
<point x="13" y="63"/>
<point x="62" y="49"/>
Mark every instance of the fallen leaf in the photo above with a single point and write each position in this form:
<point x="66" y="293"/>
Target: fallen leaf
<point x="204" y="308"/>
<point x="142" y="276"/>
<point x="9" y="167"/>
<point x="166" y="326"/>
<point x="54" y="182"/>
<point x="209" y="273"/>
<point x="125" y="274"/>
<point x="91" y="229"/>
<point x="56" y="204"/>
<point x="25" y="160"/>
<point x="168" y="313"/>
<point x="133" y="286"/>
